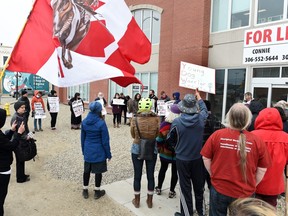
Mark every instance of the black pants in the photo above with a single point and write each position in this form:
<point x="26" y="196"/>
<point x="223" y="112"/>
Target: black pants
<point x="86" y="178"/>
<point x="20" y="171"/>
<point x="118" y="117"/>
<point x="124" y="109"/>
<point x="162" y="172"/>
<point x="4" y="182"/>
<point x="191" y="171"/>
<point x="53" y="119"/>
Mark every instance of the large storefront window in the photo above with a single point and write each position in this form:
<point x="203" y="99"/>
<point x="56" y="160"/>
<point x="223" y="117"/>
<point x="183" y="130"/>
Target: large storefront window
<point x="149" y="22"/>
<point x="230" y="14"/>
<point x="270" y="11"/>
<point x="216" y="100"/>
<point x="82" y="89"/>
<point x="235" y="87"/>
<point x="230" y="85"/>
<point x="285" y="72"/>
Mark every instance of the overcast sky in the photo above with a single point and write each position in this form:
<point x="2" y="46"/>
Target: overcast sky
<point x="13" y="15"/>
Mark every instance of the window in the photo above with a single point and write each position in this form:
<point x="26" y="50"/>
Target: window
<point x="235" y="87"/>
<point x="285" y="72"/>
<point x="270" y="11"/>
<point x="149" y="81"/>
<point x="82" y="89"/>
<point x="4" y="59"/>
<point x="266" y="72"/>
<point x="230" y="14"/>
<point x="230" y="86"/>
<point x="240" y="13"/>
<point x="149" y="22"/>
<point x="216" y="99"/>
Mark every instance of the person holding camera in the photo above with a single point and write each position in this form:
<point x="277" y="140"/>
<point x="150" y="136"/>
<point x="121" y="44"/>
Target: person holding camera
<point x="19" y="117"/>
<point x="6" y="156"/>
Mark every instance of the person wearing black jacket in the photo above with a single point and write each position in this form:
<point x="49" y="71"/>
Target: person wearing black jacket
<point x="6" y="156"/>
<point x="53" y="113"/>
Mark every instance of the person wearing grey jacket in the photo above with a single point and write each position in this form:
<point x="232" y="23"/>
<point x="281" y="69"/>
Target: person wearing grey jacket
<point x="186" y="137"/>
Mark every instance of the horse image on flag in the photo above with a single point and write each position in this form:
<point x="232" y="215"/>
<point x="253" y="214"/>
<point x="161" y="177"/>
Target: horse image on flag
<point x="71" y="24"/>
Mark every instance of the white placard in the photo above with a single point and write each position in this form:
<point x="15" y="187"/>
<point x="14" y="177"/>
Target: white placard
<point x="266" y="45"/>
<point x="39" y="111"/>
<point x="118" y="101"/>
<point x="53" y="104"/>
<point x="129" y="115"/>
<point x="77" y="107"/>
<point x="194" y="76"/>
<point x="161" y="108"/>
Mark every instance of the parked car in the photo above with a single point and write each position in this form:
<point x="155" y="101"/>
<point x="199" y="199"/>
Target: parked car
<point x="30" y="92"/>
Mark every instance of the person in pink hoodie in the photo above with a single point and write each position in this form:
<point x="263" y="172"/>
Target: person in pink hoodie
<point x="269" y="127"/>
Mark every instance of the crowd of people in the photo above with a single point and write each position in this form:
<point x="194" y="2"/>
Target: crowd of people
<point x="242" y="160"/>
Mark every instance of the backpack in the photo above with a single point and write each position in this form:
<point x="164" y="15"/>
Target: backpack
<point x="26" y="150"/>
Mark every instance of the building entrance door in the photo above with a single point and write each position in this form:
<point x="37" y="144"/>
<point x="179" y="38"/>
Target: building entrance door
<point x="269" y="94"/>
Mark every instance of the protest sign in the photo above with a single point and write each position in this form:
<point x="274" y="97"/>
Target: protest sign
<point x="77" y="107"/>
<point x="194" y="76"/>
<point x="39" y="111"/>
<point x="53" y="104"/>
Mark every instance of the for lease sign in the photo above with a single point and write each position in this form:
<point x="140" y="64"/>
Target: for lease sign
<point x="266" y="45"/>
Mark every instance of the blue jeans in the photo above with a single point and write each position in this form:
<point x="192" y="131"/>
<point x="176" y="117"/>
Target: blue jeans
<point x="39" y="122"/>
<point x="219" y="203"/>
<point x="150" y="168"/>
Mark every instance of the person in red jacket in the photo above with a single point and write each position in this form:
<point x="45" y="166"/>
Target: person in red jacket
<point x="38" y="110"/>
<point x="269" y="127"/>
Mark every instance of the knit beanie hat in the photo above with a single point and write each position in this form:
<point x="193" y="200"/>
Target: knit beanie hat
<point x="175" y="109"/>
<point x="18" y="104"/>
<point x="23" y="92"/>
<point x="95" y="107"/>
<point x="2" y="117"/>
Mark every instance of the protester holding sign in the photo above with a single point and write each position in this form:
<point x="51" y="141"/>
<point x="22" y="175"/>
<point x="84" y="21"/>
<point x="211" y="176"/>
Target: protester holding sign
<point x="77" y="108"/>
<point x="53" y="107"/>
<point x="38" y="110"/>
<point x="116" y="104"/>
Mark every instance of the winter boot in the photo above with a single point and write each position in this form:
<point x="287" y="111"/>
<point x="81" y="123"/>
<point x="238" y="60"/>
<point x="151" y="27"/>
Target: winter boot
<point x="99" y="193"/>
<point x="85" y="193"/>
<point x="149" y="200"/>
<point x="136" y="201"/>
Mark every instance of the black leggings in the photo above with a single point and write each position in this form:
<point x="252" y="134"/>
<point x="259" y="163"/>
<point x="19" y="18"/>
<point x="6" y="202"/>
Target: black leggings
<point x="4" y="182"/>
<point x="118" y="117"/>
<point x="162" y="172"/>
<point x="98" y="179"/>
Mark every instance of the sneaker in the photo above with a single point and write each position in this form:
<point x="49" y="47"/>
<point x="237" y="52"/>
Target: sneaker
<point x="158" y="190"/>
<point x="40" y="129"/>
<point x="85" y="193"/>
<point x="36" y="130"/>
<point x="172" y="194"/>
<point x="99" y="193"/>
<point x="53" y="128"/>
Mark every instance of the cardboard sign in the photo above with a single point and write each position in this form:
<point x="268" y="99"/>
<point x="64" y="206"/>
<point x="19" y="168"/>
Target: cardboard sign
<point x="53" y="104"/>
<point x="39" y="111"/>
<point x="77" y="107"/>
<point x="194" y="76"/>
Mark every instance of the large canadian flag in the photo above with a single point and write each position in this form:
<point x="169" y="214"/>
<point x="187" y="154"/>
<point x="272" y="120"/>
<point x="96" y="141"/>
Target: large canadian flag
<point x="71" y="42"/>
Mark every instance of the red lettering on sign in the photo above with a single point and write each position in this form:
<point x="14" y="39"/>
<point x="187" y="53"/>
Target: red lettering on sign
<point x="279" y="37"/>
<point x="267" y="35"/>
<point x="257" y="37"/>
<point x="248" y="37"/>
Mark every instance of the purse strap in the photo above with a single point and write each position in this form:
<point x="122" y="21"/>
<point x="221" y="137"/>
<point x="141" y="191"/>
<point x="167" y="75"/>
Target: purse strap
<point x="137" y="127"/>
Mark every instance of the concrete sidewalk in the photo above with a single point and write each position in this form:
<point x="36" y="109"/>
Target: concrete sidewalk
<point x="122" y="193"/>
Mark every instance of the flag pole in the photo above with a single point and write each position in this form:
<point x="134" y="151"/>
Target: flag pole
<point x="7" y="61"/>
